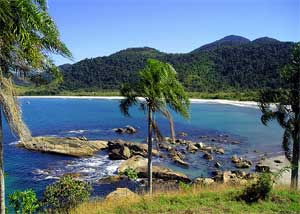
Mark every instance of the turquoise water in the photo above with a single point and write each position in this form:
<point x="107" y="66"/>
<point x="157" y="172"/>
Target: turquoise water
<point x="95" y="119"/>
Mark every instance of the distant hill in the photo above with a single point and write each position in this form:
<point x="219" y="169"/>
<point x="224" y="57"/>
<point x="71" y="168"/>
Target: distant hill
<point x="233" y="62"/>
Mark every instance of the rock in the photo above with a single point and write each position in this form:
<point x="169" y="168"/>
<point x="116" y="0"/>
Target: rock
<point x="111" y="179"/>
<point x="203" y="181"/>
<point x="209" y="149"/>
<point x="224" y="177"/>
<point x="220" y="151"/>
<point x="130" y="129"/>
<point x="180" y="161"/>
<point x="208" y="156"/>
<point x="243" y="164"/>
<point x="235" y="159"/>
<point x="177" y="157"/>
<point x="120" y="193"/>
<point x="262" y="168"/>
<point x="183" y="134"/>
<point x="120" y="130"/>
<point x="200" y="145"/>
<point x="235" y="142"/>
<point x="191" y="148"/>
<point x="117" y="149"/>
<point x="122" y="153"/>
<point x="133" y="162"/>
<point x="163" y="173"/>
<point x="71" y="146"/>
<point x="218" y="164"/>
<point x="164" y="146"/>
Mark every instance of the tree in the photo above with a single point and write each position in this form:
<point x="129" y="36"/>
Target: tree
<point x="24" y="202"/>
<point x="286" y="110"/>
<point x="27" y="36"/>
<point x="160" y="89"/>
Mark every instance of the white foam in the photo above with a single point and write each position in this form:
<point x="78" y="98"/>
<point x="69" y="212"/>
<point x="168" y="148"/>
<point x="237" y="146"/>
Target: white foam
<point x="80" y="131"/>
<point x="15" y="142"/>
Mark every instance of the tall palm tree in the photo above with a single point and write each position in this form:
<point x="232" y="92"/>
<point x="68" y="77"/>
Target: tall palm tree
<point x="27" y="36"/>
<point x="286" y="111"/>
<point x="159" y="90"/>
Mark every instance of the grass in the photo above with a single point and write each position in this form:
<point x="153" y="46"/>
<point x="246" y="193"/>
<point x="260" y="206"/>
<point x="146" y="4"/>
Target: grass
<point x="219" y="199"/>
<point x="229" y="95"/>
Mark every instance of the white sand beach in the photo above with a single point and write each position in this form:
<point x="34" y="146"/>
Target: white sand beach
<point x="250" y="104"/>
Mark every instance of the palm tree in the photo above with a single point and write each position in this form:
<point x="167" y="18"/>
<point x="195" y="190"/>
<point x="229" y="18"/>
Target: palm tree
<point x="159" y="89"/>
<point x="27" y="36"/>
<point x="286" y="110"/>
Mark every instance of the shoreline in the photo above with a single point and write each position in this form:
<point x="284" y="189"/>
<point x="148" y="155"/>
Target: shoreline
<point x="249" y="104"/>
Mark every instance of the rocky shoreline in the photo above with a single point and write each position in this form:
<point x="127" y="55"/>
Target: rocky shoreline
<point x="135" y="154"/>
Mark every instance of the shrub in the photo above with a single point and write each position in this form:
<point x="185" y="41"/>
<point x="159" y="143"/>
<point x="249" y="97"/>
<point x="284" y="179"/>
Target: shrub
<point x="259" y="190"/>
<point x="24" y="202"/>
<point x="131" y="173"/>
<point x="65" y="194"/>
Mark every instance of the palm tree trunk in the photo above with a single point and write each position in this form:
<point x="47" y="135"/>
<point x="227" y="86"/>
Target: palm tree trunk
<point x="2" y="185"/>
<point x="150" y="150"/>
<point x="295" y="160"/>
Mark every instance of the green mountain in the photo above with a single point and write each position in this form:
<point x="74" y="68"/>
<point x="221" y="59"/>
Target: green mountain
<point x="233" y="62"/>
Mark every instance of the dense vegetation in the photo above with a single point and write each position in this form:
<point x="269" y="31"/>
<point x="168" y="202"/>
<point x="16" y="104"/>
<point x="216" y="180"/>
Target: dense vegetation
<point x="232" y="63"/>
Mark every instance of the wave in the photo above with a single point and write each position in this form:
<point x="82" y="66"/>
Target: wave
<point x="89" y="169"/>
<point x="15" y="142"/>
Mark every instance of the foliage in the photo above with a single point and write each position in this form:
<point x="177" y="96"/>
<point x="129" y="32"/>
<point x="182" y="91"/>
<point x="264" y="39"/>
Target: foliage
<point x="65" y="194"/>
<point x="259" y="190"/>
<point x="24" y="202"/>
<point x="283" y="105"/>
<point x="242" y="66"/>
<point x="130" y="173"/>
<point x="217" y="199"/>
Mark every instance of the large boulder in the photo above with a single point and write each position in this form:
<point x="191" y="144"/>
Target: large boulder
<point x="122" y="150"/>
<point x="127" y="129"/>
<point x="133" y="163"/>
<point x="166" y="174"/>
<point x="177" y="157"/>
<point x="203" y="181"/>
<point x="72" y="146"/>
<point x="120" y="193"/>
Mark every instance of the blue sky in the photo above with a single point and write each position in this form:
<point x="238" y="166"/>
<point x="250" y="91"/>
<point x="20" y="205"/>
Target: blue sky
<point x="93" y="28"/>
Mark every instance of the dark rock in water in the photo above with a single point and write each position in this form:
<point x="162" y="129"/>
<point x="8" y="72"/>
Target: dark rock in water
<point x="262" y="168"/>
<point x="208" y="156"/>
<point x="183" y="134"/>
<point x="120" y="149"/>
<point x="200" y="145"/>
<point x="218" y="164"/>
<point x="191" y="148"/>
<point x="130" y="129"/>
<point x="127" y="129"/>
<point x="235" y="142"/>
<point x="111" y="179"/>
<point x="164" y="146"/>
<point x="163" y="173"/>
<point x="177" y="157"/>
<point x="220" y="151"/>
<point x="240" y="162"/>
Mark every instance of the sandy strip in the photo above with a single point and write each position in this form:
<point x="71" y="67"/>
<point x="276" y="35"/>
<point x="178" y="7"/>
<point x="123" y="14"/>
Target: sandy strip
<point x="249" y="104"/>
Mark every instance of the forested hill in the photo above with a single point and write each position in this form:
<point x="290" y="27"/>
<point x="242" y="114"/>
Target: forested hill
<point x="233" y="62"/>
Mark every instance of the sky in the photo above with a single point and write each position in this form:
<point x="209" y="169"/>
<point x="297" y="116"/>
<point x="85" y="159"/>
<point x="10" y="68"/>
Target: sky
<point x="92" y="28"/>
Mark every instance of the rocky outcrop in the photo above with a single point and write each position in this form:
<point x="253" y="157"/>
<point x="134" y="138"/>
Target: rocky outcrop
<point x="177" y="157"/>
<point x="203" y="181"/>
<point x="241" y="162"/>
<point x="111" y="179"/>
<point x="127" y="129"/>
<point x="123" y="150"/>
<point x="134" y="162"/>
<point x="120" y="193"/>
<point x="262" y="168"/>
<point x="233" y="177"/>
<point x="159" y="172"/>
<point x="191" y="148"/>
<point x="208" y="156"/>
<point x="72" y="146"/>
